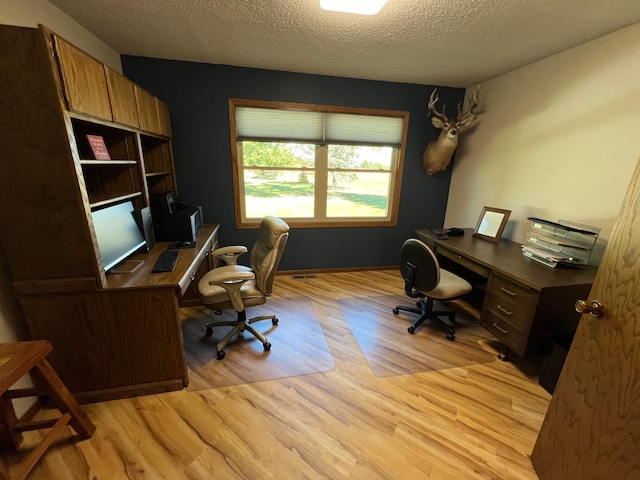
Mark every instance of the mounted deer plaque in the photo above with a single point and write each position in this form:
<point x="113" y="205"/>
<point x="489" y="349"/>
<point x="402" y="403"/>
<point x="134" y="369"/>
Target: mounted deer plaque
<point x="438" y="153"/>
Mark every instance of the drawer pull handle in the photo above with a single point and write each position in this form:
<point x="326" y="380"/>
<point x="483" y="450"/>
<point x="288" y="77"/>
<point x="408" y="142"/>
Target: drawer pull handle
<point x="504" y="310"/>
<point x="193" y="277"/>
<point x="502" y="330"/>
<point x="509" y="292"/>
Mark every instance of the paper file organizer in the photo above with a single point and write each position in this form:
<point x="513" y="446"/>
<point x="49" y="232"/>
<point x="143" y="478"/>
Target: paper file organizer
<point x="560" y="243"/>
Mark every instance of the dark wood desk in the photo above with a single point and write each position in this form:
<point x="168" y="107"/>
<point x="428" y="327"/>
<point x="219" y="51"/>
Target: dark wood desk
<point x="523" y="301"/>
<point x="125" y="339"/>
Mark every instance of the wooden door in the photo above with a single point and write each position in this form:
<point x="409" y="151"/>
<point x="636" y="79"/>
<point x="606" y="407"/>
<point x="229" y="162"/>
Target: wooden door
<point x="592" y="427"/>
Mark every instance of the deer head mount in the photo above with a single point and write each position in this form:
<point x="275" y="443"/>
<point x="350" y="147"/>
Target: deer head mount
<point x="438" y="153"/>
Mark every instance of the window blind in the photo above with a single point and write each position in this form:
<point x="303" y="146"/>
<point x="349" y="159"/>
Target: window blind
<point x="317" y="127"/>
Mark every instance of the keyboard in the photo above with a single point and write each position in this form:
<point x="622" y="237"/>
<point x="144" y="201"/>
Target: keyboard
<point x="166" y="261"/>
<point x="439" y="233"/>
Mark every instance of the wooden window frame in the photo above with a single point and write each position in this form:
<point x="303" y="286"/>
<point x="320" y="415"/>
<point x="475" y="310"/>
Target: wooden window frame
<point x="395" y="170"/>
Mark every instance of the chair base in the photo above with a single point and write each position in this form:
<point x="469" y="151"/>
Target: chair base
<point x="239" y="325"/>
<point x="426" y="312"/>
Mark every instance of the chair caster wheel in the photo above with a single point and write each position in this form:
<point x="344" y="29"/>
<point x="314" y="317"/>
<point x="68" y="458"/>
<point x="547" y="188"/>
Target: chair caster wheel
<point x="411" y="329"/>
<point x="220" y="354"/>
<point x="267" y="347"/>
<point x="209" y="331"/>
<point x="451" y="337"/>
<point x="274" y="321"/>
<point x="395" y="311"/>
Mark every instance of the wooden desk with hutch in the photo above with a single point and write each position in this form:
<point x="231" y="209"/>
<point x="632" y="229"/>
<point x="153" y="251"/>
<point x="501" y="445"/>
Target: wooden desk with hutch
<point x="113" y="335"/>
<point x="523" y="301"/>
<point x="124" y="339"/>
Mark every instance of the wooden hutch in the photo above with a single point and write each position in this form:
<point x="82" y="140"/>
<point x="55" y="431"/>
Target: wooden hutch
<point x="114" y="335"/>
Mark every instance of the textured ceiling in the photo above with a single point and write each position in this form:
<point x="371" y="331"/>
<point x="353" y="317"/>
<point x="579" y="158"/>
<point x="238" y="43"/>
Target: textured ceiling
<point x="442" y="42"/>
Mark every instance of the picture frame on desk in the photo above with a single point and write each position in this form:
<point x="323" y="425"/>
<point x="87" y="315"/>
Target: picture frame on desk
<point x="491" y="223"/>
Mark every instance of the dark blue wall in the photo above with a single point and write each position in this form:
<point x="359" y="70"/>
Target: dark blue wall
<point x="197" y="95"/>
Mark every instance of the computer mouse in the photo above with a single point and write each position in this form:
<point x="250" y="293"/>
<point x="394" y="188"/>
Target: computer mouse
<point x="186" y="243"/>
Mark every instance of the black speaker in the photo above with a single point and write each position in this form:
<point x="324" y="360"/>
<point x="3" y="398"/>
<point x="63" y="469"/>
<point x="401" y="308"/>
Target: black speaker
<point x="143" y="219"/>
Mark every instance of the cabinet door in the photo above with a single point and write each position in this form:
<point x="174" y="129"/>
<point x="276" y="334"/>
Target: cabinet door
<point x="123" y="100"/>
<point x="163" y="117"/>
<point x="147" y="111"/>
<point x="84" y="80"/>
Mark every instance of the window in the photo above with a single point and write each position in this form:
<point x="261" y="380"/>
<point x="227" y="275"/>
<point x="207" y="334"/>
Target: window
<point x="316" y="165"/>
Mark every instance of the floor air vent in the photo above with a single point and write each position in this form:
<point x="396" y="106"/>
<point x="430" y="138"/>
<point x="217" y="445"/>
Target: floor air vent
<point x="304" y="277"/>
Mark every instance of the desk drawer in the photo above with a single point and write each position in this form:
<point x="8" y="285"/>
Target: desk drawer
<point x="199" y="267"/>
<point x="508" y="312"/>
<point x="506" y="333"/>
<point x="197" y="264"/>
<point x="516" y="294"/>
<point x="464" y="261"/>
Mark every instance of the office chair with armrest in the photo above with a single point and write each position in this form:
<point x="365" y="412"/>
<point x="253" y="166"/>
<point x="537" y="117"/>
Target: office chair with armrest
<point x="424" y="279"/>
<point x="238" y="287"/>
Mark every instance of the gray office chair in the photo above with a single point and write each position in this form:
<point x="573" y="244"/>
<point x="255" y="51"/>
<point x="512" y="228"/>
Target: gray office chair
<point x="238" y="287"/>
<point x="424" y="279"/>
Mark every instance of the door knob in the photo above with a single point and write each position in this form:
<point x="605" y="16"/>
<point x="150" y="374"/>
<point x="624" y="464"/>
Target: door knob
<point x="594" y="308"/>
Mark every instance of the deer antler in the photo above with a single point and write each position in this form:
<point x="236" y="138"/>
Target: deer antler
<point x="466" y="115"/>
<point x="437" y="154"/>
<point x="432" y="107"/>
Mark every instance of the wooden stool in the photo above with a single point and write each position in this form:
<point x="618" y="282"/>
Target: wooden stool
<point x="16" y="360"/>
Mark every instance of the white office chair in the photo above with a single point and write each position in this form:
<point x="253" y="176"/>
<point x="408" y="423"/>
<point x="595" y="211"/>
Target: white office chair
<point x="424" y="279"/>
<point x="238" y="287"/>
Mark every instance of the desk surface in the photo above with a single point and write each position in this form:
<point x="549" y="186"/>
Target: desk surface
<point x="505" y="257"/>
<point x="142" y="276"/>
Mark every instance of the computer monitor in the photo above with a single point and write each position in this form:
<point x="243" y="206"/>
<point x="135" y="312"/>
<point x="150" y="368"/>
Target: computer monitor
<point x="117" y="233"/>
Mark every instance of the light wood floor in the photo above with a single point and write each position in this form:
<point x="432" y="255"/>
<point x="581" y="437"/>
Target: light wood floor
<point x="477" y="422"/>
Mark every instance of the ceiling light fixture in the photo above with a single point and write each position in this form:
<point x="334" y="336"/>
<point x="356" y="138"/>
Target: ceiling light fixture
<point x="363" y="7"/>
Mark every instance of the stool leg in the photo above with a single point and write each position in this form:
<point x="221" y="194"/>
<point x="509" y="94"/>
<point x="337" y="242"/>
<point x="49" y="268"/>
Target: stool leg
<point x="65" y="402"/>
<point x="25" y="468"/>
<point x="8" y="438"/>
